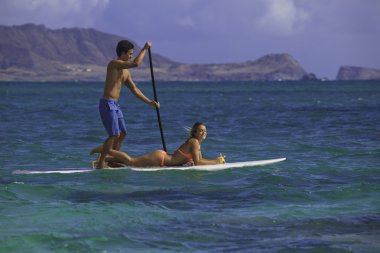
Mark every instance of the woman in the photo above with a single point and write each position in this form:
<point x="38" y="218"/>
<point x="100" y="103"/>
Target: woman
<point x="188" y="153"/>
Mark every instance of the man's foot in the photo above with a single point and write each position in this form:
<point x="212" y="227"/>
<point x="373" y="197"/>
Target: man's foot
<point x="97" y="165"/>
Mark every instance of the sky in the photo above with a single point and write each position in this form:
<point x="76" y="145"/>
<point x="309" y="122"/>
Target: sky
<point x="321" y="34"/>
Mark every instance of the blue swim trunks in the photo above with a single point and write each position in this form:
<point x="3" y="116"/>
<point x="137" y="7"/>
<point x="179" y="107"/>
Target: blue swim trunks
<point x="112" y="117"/>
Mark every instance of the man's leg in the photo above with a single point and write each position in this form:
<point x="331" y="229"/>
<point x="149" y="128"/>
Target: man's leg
<point x="123" y="130"/>
<point x="119" y="141"/>
<point x="107" y="146"/>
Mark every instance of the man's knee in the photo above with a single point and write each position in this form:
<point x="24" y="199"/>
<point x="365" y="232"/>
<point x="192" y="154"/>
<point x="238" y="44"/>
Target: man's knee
<point x="120" y="137"/>
<point x="112" y="138"/>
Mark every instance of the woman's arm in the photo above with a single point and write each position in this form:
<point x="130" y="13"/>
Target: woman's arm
<point x="197" y="155"/>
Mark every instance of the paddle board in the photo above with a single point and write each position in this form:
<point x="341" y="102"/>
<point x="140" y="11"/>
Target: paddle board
<point x="199" y="167"/>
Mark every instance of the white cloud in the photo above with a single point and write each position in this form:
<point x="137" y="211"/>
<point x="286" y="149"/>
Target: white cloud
<point x="63" y="7"/>
<point x="283" y="17"/>
<point x="186" y="22"/>
<point x="56" y="13"/>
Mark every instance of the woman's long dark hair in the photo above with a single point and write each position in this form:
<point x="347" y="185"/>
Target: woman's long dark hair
<point x="194" y="129"/>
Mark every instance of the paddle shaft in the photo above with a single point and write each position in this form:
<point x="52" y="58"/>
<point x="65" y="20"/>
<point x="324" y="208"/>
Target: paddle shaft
<point x="155" y="98"/>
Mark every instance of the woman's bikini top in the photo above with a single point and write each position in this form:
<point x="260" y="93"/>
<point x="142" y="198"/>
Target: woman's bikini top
<point x="189" y="156"/>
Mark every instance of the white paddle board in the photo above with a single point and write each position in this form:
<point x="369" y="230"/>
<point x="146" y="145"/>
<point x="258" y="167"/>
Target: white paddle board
<point x="199" y="167"/>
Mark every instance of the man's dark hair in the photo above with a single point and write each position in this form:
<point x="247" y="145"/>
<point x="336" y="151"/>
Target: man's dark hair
<point x="123" y="46"/>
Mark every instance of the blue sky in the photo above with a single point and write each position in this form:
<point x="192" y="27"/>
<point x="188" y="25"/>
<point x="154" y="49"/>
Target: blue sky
<point x="321" y="34"/>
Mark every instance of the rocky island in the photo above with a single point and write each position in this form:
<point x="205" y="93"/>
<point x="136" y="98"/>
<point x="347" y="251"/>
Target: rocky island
<point x="358" y="73"/>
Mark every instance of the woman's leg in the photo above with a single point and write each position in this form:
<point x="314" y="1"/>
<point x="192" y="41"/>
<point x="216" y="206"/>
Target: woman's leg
<point x="120" y="156"/>
<point x="114" y="162"/>
<point x="152" y="159"/>
<point x="97" y="149"/>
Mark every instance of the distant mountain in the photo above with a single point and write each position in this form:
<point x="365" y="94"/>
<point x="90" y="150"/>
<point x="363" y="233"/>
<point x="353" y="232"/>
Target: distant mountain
<point x="36" y="53"/>
<point x="269" y="67"/>
<point x="358" y="73"/>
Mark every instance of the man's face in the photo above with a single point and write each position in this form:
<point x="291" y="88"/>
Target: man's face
<point x="130" y="54"/>
<point x="127" y="56"/>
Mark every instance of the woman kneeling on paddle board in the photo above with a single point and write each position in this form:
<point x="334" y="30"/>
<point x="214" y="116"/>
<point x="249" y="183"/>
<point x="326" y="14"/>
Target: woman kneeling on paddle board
<point x="189" y="153"/>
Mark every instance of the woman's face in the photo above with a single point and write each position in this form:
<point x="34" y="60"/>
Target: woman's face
<point x="201" y="133"/>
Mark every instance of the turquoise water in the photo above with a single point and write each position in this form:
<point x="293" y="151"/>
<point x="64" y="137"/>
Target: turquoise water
<point x="324" y="198"/>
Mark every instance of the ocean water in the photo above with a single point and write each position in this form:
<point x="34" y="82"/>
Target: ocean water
<point x="324" y="198"/>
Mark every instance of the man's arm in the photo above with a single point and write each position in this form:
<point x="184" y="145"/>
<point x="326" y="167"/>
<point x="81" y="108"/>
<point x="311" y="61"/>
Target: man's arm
<point x="120" y="64"/>
<point x="138" y="60"/>
<point x="136" y="91"/>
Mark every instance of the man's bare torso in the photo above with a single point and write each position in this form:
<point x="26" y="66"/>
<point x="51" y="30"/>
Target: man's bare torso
<point x="114" y="81"/>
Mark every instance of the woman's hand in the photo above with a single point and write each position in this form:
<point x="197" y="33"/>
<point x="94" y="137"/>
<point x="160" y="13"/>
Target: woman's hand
<point x="221" y="159"/>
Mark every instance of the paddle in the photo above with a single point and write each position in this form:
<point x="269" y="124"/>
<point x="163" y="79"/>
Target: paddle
<point x="155" y="98"/>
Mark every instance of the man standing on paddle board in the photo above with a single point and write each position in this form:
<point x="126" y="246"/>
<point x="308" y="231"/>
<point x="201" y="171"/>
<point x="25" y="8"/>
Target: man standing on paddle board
<point x="109" y="108"/>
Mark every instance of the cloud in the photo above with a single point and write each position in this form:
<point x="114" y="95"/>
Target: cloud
<point x="186" y="22"/>
<point x="56" y="13"/>
<point x="283" y="17"/>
